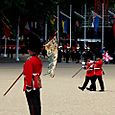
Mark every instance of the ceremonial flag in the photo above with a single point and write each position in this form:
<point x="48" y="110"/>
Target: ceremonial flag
<point x="6" y="27"/>
<point x="97" y="9"/>
<point x="52" y="20"/>
<point x="27" y="28"/>
<point x="92" y="24"/>
<point x="96" y="23"/>
<point x="52" y="53"/>
<point x="64" y="26"/>
<point x="52" y="23"/>
<point x="106" y="57"/>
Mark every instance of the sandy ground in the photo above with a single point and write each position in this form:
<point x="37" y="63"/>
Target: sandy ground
<point x="60" y="95"/>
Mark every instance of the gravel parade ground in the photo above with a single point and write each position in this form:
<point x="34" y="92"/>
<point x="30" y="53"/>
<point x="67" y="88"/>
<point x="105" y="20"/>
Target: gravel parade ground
<point x="59" y="95"/>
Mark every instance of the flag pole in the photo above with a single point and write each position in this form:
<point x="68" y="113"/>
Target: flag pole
<point x="70" y="23"/>
<point x="46" y="31"/>
<point x="102" y="25"/>
<point x="5" y="46"/>
<point x="58" y="22"/>
<point x="85" y="26"/>
<point x="17" y="41"/>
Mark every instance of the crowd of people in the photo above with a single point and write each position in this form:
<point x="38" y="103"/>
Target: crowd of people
<point x="65" y="53"/>
<point x="77" y="55"/>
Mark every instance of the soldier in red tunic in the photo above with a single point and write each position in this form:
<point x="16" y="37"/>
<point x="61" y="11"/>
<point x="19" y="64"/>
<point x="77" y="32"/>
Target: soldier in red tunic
<point x="32" y="69"/>
<point x="89" y="75"/>
<point x="98" y="71"/>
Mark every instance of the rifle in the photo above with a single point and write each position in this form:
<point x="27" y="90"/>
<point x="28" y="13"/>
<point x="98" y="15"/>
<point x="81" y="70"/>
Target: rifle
<point x="80" y="69"/>
<point x="13" y="84"/>
<point x="77" y="72"/>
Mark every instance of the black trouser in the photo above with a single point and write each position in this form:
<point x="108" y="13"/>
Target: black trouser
<point x="33" y="99"/>
<point x="86" y="82"/>
<point x="100" y="82"/>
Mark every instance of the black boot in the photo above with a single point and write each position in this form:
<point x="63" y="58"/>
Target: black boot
<point x="101" y="90"/>
<point x="81" y="88"/>
<point x="90" y="89"/>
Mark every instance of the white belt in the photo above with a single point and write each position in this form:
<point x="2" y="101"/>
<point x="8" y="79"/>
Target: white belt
<point x="97" y="68"/>
<point x="34" y="74"/>
<point x="90" y="69"/>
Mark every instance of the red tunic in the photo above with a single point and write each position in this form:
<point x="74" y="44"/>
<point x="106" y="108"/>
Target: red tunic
<point x="32" y="70"/>
<point x="98" y="67"/>
<point x="90" y="69"/>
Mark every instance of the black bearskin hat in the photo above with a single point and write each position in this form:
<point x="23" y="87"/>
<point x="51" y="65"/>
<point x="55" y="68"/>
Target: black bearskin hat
<point x="34" y="44"/>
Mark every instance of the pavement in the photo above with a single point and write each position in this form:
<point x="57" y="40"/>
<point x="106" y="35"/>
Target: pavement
<point x="59" y="95"/>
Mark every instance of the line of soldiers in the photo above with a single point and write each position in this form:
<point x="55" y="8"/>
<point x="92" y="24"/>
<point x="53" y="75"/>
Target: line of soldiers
<point x="66" y="54"/>
<point x="94" y="71"/>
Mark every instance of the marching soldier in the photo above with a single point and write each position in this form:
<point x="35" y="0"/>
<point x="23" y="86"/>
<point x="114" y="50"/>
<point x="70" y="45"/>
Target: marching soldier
<point x="67" y="54"/>
<point x="89" y="75"/>
<point x="60" y="54"/>
<point x="99" y="72"/>
<point x="32" y="83"/>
